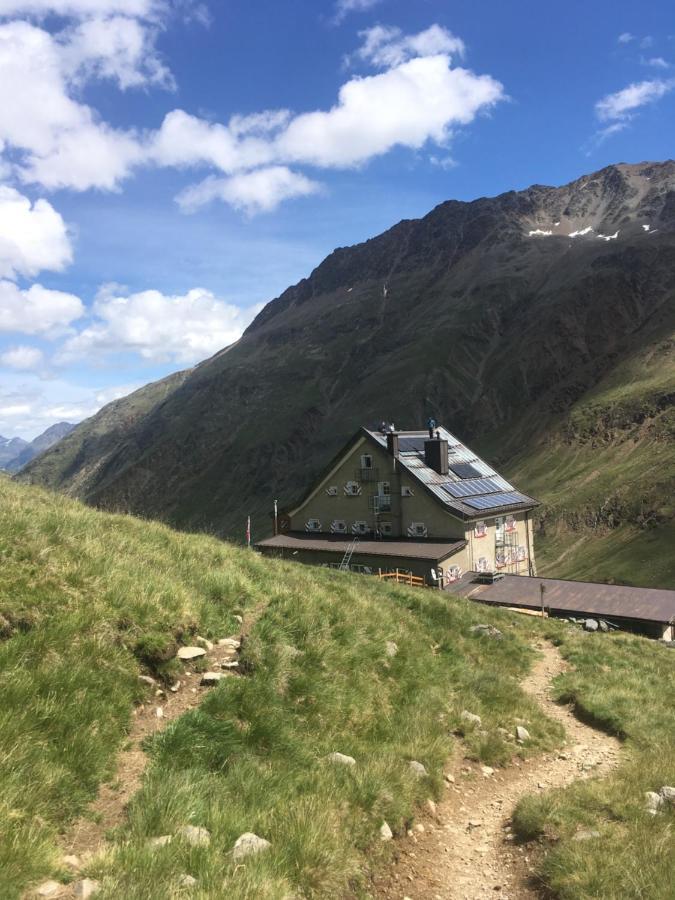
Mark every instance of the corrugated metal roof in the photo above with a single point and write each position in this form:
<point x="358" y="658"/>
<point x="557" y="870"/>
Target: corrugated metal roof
<point x="297" y="541"/>
<point x="476" y="500"/>
<point x="573" y="597"/>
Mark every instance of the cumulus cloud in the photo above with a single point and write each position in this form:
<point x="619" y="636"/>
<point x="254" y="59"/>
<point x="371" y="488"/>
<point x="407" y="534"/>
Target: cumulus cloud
<point x="656" y="62"/>
<point x="623" y="103"/>
<point x="22" y="357"/>
<point x="385" y="46"/>
<point x="626" y="37"/>
<point x="159" y="328"/>
<point x="344" y="7"/>
<point x="259" y="191"/>
<point x="33" y="236"/>
<point x="81" y="8"/>
<point x="37" y="310"/>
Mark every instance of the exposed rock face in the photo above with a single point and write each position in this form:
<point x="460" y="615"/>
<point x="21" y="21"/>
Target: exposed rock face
<point x="498" y="315"/>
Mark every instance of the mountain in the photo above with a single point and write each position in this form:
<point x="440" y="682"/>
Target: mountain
<point x="26" y="451"/>
<point x="10" y="449"/>
<point x="537" y="325"/>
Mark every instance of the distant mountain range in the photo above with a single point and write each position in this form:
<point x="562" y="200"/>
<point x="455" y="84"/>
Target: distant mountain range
<point x="15" y="453"/>
<point x="538" y="325"/>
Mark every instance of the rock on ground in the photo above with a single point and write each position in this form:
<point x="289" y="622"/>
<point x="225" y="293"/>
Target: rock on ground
<point x="417" y="769"/>
<point x="186" y="881"/>
<point x="522" y="734"/>
<point x="591" y="625"/>
<point x="85" y="888"/>
<point x="667" y="793"/>
<point x="471" y="718"/>
<point x="386" y="833"/>
<point x="193" y="834"/>
<point x="341" y="758"/>
<point x="391" y="648"/>
<point x="211" y="678"/>
<point x="653" y="802"/>
<point x="191" y="652"/>
<point x="248" y="844"/>
<point x="49" y="888"/>
<point x="160" y="841"/>
<point x="487" y="631"/>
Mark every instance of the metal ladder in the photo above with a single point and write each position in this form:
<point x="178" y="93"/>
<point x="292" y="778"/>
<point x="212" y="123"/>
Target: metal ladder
<point x="347" y="558"/>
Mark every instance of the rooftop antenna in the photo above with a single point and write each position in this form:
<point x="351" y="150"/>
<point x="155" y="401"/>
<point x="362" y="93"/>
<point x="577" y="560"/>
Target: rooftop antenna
<point x="385" y="291"/>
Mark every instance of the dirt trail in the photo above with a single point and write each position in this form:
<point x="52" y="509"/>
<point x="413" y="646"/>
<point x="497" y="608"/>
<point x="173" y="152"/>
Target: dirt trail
<point x="466" y="851"/>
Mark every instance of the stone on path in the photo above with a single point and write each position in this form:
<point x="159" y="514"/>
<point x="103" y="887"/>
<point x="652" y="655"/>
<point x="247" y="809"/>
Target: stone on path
<point x="86" y="888"/>
<point x="147" y="679"/>
<point x="229" y="642"/>
<point x="590" y="625"/>
<point x="187" y="653"/>
<point x="417" y="769"/>
<point x="49" y="888"/>
<point x="229" y="664"/>
<point x="386" y="833"/>
<point x="159" y="712"/>
<point x="471" y="718"/>
<point x="522" y="734"/>
<point x="72" y="861"/>
<point x="248" y="844"/>
<point x="193" y="834"/>
<point x="204" y="642"/>
<point x="391" y="648"/>
<point x="211" y="678"/>
<point x="487" y="771"/>
<point x="341" y="758"/>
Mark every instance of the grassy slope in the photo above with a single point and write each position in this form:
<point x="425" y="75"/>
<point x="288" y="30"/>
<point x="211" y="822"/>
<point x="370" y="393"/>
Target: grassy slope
<point x="85" y="597"/>
<point x="607" y="478"/>
<point x="626" y="688"/>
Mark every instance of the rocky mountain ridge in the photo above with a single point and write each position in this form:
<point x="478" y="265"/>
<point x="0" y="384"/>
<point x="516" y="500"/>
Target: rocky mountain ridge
<point x="16" y="453"/>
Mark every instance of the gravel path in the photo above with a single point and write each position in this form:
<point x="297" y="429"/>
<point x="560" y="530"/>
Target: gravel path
<point x="465" y="851"/>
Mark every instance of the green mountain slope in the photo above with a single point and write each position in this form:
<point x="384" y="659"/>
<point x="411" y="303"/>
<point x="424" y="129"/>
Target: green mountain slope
<point x="475" y="314"/>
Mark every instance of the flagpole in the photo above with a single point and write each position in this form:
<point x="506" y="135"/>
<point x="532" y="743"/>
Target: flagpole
<point x="248" y="531"/>
<point x="276" y="518"/>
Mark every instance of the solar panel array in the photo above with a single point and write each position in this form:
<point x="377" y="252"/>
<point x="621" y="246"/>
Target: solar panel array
<point x="490" y="501"/>
<point x="465" y="470"/>
<point x="471" y="487"/>
<point x="411" y="444"/>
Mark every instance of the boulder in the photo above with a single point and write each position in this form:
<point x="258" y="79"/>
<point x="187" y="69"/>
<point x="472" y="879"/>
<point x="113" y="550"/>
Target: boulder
<point x="187" y="653"/>
<point x="417" y="769"/>
<point x="487" y="771"/>
<point x="204" y="642"/>
<point x="522" y="734"/>
<point x="590" y="625"/>
<point x="667" y="794"/>
<point x="391" y="648"/>
<point x="487" y="631"/>
<point x="341" y="758"/>
<point x="193" y="834"/>
<point x="603" y="626"/>
<point x="230" y="643"/>
<point x="186" y="881"/>
<point x="248" y="844"/>
<point x="653" y="802"/>
<point x="160" y="841"/>
<point x="386" y="833"/>
<point x="471" y="718"/>
<point x="229" y="664"/>
<point x="211" y="678"/>
<point x="85" y="888"/>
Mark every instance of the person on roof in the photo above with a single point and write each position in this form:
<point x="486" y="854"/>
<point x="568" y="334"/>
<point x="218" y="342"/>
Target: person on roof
<point x="431" y="424"/>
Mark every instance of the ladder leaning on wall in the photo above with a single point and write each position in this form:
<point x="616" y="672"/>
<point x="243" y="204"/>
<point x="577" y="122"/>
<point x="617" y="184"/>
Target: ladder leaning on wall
<point x="347" y="558"/>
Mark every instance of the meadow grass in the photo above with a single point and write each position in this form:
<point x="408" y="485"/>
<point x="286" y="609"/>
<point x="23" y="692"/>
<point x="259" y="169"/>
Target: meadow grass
<point x="88" y="600"/>
<point x="625" y="685"/>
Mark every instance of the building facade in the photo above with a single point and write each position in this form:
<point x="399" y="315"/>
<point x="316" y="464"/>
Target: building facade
<point x="417" y="501"/>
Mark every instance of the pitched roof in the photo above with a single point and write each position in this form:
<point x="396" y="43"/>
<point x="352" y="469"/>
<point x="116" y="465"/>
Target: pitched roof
<point x="334" y="543"/>
<point x="471" y="489"/>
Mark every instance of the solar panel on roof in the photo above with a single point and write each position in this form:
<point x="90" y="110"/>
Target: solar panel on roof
<point x="411" y="444"/>
<point x="471" y="487"/>
<point x="490" y="501"/>
<point x="465" y="470"/>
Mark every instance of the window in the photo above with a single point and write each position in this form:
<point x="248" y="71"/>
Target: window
<point x="386" y="529"/>
<point x="312" y="525"/>
<point x="332" y="490"/>
<point x="499" y="529"/>
<point x="338" y="526"/>
<point x="417" y="529"/>
<point x="352" y="489"/>
<point x="510" y="523"/>
<point x="482" y="564"/>
<point x="407" y="491"/>
<point x="366" y="461"/>
<point x="360" y="527"/>
<point x="383" y="488"/>
<point x="480" y="530"/>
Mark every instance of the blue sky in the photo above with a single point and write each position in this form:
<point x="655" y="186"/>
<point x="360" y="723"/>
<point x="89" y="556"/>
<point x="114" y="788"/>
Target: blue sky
<point x="167" y="166"/>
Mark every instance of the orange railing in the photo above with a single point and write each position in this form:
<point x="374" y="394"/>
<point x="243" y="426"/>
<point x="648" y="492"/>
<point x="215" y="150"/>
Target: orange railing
<point x="402" y="577"/>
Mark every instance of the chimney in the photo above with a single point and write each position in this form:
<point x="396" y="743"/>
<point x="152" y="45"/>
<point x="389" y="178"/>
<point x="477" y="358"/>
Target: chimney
<point x="436" y="455"/>
<point x="392" y="444"/>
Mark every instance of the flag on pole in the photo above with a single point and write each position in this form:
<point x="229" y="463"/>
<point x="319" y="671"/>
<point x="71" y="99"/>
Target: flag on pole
<point x="248" y="531"/>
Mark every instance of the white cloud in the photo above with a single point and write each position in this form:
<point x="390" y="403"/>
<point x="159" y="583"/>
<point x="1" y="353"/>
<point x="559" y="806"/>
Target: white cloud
<point x="33" y="236"/>
<point x="22" y="357"/>
<point x="81" y="8"/>
<point x="37" y="310"/>
<point x="626" y="37"/>
<point x="384" y="46"/>
<point x="656" y="62"/>
<point x="344" y="7"/>
<point x="253" y="192"/>
<point x="160" y="328"/>
<point x="621" y="104"/>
